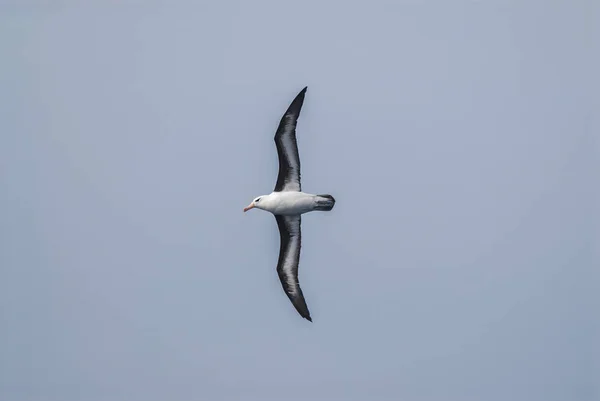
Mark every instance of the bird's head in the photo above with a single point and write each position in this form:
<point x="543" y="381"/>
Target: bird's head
<point x="258" y="203"/>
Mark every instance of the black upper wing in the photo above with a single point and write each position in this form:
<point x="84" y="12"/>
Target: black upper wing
<point x="288" y="178"/>
<point x="289" y="257"/>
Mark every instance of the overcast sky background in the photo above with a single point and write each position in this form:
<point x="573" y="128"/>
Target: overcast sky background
<point x="456" y="137"/>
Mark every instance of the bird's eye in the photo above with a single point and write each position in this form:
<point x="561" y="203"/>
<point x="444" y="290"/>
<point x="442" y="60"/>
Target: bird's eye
<point x="256" y="200"/>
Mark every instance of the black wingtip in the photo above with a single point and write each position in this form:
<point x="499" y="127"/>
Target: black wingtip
<point x="302" y="93"/>
<point x="304" y="312"/>
<point x="293" y="109"/>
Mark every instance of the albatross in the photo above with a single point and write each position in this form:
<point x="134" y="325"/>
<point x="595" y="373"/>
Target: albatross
<point x="287" y="203"/>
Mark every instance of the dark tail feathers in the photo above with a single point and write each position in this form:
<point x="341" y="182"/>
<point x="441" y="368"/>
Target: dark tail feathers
<point x="325" y="202"/>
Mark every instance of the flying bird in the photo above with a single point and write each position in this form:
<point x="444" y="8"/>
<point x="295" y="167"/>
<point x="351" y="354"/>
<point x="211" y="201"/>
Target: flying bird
<point x="287" y="203"/>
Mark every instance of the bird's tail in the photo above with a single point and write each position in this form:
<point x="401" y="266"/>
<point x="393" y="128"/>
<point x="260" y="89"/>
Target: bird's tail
<point x="324" y="202"/>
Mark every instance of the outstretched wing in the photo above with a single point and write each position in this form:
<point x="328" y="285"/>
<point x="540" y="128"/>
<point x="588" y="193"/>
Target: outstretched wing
<point x="287" y="265"/>
<point x="288" y="178"/>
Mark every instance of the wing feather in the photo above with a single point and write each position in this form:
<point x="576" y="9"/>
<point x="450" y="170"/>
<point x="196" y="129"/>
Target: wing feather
<point x="288" y="178"/>
<point x="289" y="257"/>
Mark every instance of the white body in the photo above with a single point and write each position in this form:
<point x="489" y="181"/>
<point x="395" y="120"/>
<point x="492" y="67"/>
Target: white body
<point x="287" y="203"/>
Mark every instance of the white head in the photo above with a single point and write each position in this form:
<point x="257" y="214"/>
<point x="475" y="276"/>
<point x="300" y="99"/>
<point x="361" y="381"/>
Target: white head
<point x="259" y="202"/>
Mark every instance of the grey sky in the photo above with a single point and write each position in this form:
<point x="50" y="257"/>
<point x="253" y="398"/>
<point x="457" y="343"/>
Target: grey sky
<point x="456" y="137"/>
